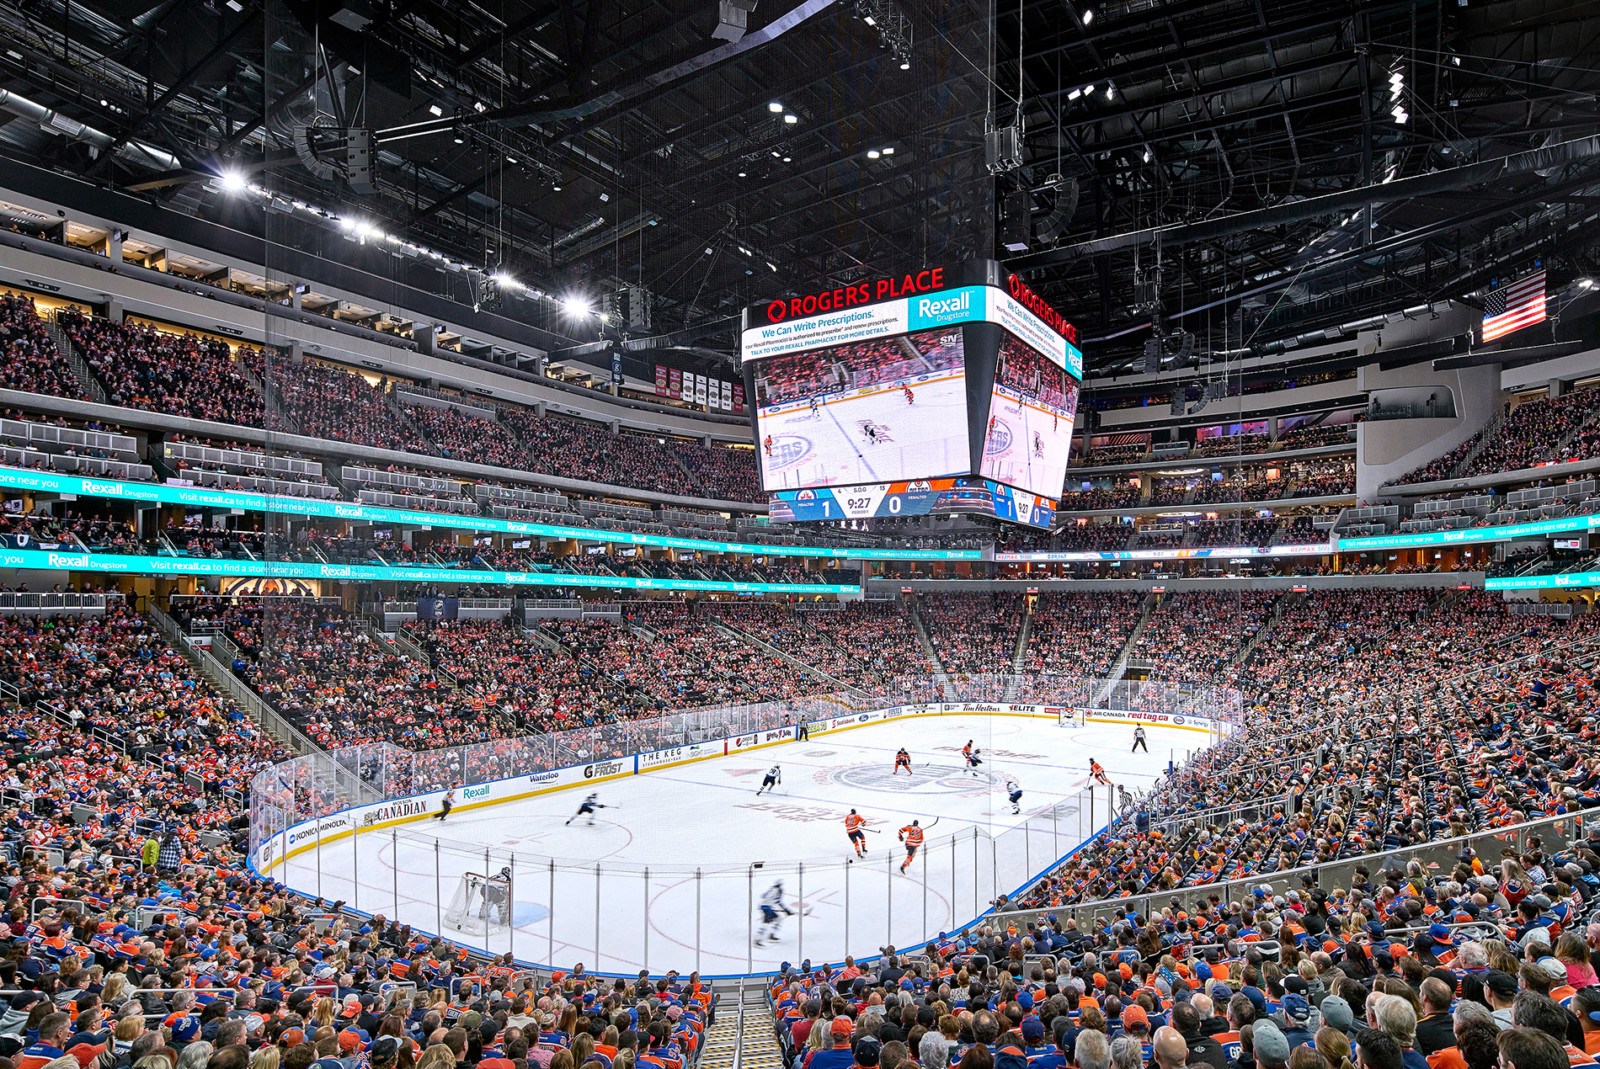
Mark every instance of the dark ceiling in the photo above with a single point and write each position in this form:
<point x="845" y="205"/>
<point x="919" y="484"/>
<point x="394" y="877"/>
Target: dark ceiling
<point x="589" y="145"/>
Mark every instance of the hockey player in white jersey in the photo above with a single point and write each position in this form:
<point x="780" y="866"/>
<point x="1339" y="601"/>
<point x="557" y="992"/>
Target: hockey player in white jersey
<point x="1014" y="793"/>
<point x="773" y="910"/>
<point x="773" y="778"/>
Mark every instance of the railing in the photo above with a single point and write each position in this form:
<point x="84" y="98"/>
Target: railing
<point x="11" y="603"/>
<point x="221" y="674"/>
<point x="17" y="430"/>
<point x="1440" y="855"/>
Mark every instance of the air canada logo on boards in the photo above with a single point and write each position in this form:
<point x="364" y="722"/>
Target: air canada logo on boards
<point x="790" y="449"/>
<point x="406" y="807"/>
<point x="601" y="768"/>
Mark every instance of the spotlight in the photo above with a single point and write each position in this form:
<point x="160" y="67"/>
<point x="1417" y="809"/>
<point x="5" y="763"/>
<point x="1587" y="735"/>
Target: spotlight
<point x="775" y="107"/>
<point x="1088" y="15"/>
<point x="576" y="306"/>
<point x="873" y="154"/>
<point x="458" y="136"/>
<point x="234" y="182"/>
<point x="435" y="110"/>
<point x="791" y="119"/>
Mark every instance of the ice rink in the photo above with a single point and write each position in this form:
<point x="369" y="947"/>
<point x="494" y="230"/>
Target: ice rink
<point x="926" y="438"/>
<point x="667" y="876"/>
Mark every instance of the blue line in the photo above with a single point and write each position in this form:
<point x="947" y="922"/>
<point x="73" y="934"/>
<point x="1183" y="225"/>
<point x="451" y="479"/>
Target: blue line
<point x="859" y="454"/>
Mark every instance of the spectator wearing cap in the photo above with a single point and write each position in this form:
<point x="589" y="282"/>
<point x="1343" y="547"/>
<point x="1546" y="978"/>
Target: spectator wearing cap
<point x="1136" y="1024"/>
<point x="1337" y="1013"/>
<point x="1297" y="1021"/>
<point x="1033" y="1038"/>
<point x="1269" y="1046"/>
<point x="1499" y="989"/>
<point x="1435" y="1028"/>
<point x="868" y="1051"/>
<point x="839" y="1055"/>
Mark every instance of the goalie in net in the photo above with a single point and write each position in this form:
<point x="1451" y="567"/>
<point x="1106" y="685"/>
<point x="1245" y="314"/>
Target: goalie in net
<point x="481" y="903"/>
<point x="1073" y="717"/>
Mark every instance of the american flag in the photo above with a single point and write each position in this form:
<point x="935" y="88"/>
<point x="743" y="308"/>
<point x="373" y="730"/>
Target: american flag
<point x="1510" y="308"/>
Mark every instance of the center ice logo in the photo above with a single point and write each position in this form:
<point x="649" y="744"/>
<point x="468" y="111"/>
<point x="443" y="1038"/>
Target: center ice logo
<point x="999" y="439"/>
<point x="790" y="449"/>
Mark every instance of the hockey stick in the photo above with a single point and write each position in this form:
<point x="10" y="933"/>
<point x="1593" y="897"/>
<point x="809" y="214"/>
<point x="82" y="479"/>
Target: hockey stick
<point x="931" y="823"/>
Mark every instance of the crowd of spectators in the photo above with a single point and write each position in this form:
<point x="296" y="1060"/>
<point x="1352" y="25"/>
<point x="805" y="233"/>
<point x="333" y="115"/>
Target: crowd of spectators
<point x="973" y="635"/>
<point x="1233" y="531"/>
<point x="1114" y="496"/>
<point x="181" y="374"/>
<point x="1078" y="634"/>
<point x="1195" y="636"/>
<point x="323" y="401"/>
<point x="1545" y="430"/>
<point x="1323" y="476"/>
<point x="31" y="362"/>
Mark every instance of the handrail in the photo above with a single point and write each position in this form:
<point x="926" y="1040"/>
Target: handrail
<point x="1280" y="879"/>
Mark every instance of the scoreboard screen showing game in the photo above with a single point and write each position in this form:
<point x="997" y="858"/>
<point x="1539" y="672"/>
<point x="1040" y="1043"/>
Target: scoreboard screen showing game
<point x="873" y="411"/>
<point x="1029" y="429"/>
<point x="941" y="373"/>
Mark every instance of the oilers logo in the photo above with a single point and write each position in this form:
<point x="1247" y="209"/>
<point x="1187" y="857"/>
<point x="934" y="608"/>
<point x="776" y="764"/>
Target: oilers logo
<point x="789" y="450"/>
<point x="998" y="443"/>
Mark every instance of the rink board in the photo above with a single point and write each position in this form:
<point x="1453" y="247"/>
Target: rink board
<point x="623" y="917"/>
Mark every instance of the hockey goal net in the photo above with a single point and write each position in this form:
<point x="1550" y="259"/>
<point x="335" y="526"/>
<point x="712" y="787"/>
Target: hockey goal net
<point x="1072" y="717"/>
<point x="481" y="903"/>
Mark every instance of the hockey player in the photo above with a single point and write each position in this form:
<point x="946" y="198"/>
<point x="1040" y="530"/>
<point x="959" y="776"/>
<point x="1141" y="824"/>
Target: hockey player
<point x="1097" y="773"/>
<point x="767" y="444"/>
<point x="1138" y="739"/>
<point x="1038" y="445"/>
<point x="447" y="804"/>
<point x="973" y="758"/>
<point x="497" y="898"/>
<point x="855" y="827"/>
<point x="587" y="809"/>
<point x="911" y="835"/>
<point x="1014" y="792"/>
<point x="911" y="398"/>
<point x="814" y="413"/>
<point x="773" y="910"/>
<point x="772" y="779"/>
<point x="902" y="760"/>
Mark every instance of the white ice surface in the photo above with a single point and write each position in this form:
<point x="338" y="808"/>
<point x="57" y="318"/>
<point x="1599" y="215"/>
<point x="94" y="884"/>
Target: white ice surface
<point x="706" y="816"/>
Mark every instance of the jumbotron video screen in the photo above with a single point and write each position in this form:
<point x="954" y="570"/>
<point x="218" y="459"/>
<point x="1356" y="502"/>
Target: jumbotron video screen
<point x="875" y="411"/>
<point x="1029" y="430"/>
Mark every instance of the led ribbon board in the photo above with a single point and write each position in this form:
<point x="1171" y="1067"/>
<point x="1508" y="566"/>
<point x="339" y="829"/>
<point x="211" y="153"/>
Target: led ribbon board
<point x="134" y="564"/>
<point x="43" y="482"/>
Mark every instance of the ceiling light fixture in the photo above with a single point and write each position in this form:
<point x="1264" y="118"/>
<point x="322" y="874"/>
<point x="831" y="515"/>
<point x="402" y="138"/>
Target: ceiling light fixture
<point x="1088" y="15"/>
<point x="435" y="110"/>
<point x="791" y="119"/>
<point x="775" y="107"/>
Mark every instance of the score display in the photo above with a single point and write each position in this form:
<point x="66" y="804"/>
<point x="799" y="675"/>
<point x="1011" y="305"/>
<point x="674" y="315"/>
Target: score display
<point x="974" y="379"/>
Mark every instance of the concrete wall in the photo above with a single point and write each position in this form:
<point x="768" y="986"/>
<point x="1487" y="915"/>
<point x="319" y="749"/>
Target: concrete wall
<point x="1388" y="449"/>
